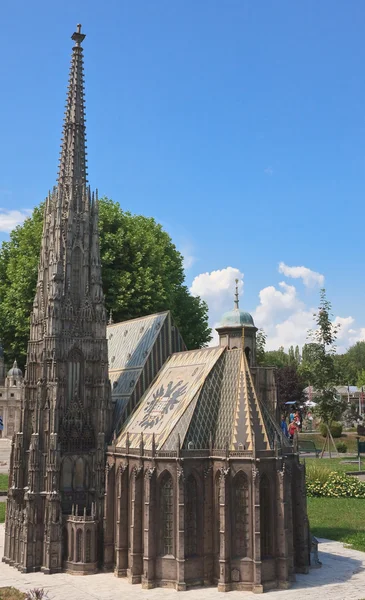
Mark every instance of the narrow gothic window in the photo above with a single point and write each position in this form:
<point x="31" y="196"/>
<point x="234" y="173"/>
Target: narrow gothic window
<point x="88" y="546"/>
<point x="72" y="545"/>
<point x="79" y="474"/>
<point x="78" y="545"/>
<point x="265" y="518"/>
<point x="191" y="516"/>
<point x="167" y="515"/>
<point x="66" y="474"/>
<point x="74" y="376"/>
<point x="76" y="263"/>
<point x="240" y="534"/>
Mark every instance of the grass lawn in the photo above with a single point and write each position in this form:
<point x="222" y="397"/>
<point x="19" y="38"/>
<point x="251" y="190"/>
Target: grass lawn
<point x="10" y="593"/>
<point x="334" y="464"/>
<point x="348" y="438"/>
<point x="2" y="515"/>
<point x="4" y="480"/>
<point x="340" y="519"/>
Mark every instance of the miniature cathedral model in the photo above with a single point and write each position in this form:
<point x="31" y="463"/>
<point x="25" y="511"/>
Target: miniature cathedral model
<point x="56" y="495"/>
<point x="197" y="486"/>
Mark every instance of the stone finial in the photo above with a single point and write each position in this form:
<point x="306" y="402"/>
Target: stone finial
<point x="110" y="322"/>
<point x="236" y="301"/>
<point x="77" y="36"/>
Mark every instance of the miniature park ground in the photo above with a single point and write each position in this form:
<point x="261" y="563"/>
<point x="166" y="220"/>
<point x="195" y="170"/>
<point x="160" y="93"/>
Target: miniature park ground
<point x="339" y="519"/>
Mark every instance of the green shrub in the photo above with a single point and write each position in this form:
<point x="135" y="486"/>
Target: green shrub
<point x="338" y="485"/>
<point x="335" y="429"/>
<point x="317" y="474"/>
<point x="341" y="447"/>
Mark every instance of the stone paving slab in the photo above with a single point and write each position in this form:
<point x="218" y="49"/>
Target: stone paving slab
<point x="342" y="577"/>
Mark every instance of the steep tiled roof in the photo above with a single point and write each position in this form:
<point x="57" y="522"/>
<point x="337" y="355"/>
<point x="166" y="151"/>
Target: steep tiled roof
<point x="129" y="345"/>
<point x="198" y="396"/>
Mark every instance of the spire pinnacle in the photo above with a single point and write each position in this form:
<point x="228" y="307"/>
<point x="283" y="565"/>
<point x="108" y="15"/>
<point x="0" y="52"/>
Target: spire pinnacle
<point x="72" y="169"/>
<point x="236" y="295"/>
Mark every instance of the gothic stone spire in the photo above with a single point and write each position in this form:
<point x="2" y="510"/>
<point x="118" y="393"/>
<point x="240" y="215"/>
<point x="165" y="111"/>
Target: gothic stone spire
<point x="67" y="407"/>
<point x="72" y="169"/>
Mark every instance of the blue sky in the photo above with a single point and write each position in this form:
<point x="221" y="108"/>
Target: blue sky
<point x="239" y="125"/>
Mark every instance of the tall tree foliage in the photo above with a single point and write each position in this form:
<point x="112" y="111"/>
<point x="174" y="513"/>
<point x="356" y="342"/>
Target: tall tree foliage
<point x="289" y="385"/>
<point x="322" y="365"/>
<point x="142" y="274"/>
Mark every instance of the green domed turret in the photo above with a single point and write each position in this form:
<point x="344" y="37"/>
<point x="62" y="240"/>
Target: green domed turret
<point x="236" y="317"/>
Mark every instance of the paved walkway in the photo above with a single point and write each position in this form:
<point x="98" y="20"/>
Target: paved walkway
<point x="342" y="577"/>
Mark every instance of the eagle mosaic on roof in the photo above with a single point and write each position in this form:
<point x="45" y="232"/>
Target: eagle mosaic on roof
<point x="167" y="399"/>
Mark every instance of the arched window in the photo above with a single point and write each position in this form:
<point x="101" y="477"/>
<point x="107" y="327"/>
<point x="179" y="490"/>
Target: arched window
<point x="74" y="375"/>
<point x="265" y="518"/>
<point x="78" y="545"/>
<point x="240" y="522"/>
<point x="66" y="474"/>
<point x="79" y="474"/>
<point x="76" y="265"/>
<point x="191" y="516"/>
<point x="167" y="515"/>
<point x="88" y="546"/>
<point x="248" y="355"/>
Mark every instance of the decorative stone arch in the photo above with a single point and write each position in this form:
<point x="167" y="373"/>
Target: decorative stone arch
<point x="240" y="510"/>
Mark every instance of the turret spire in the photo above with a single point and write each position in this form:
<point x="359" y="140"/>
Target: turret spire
<point x="72" y="170"/>
<point x="236" y="295"/>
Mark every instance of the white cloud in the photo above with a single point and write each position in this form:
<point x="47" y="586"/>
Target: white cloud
<point x="310" y="278"/>
<point x="269" y="171"/>
<point x="188" y="261"/>
<point x="275" y="303"/>
<point x="281" y="312"/>
<point x="11" y="218"/>
<point x="217" y="289"/>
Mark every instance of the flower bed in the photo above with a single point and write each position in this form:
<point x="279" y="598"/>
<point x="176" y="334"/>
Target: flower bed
<point x="336" y="485"/>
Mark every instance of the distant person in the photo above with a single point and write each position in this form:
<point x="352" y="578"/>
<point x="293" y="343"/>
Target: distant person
<point x="291" y="417"/>
<point x="292" y="429"/>
<point x="284" y="427"/>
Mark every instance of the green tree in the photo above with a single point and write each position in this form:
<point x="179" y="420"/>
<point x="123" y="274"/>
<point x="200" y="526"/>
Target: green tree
<point x="141" y="268"/>
<point x="361" y="379"/>
<point x="321" y="359"/>
<point x="297" y="356"/>
<point x="289" y="385"/>
<point x="276" y="358"/>
<point x="291" y="356"/>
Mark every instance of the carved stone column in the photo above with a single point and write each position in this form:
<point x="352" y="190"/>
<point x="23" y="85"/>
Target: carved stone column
<point x="109" y="517"/>
<point x="180" y="531"/>
<point x="301" y="525"/>
<point x="282" y="533"/>
<point x="257" y="585"/>
<point x="208" y="539"/>
<point x="149" y="555"/>
<point x="224" y="582"/>
<point x="135" y="568"/>
<point x="121" y="531"/>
